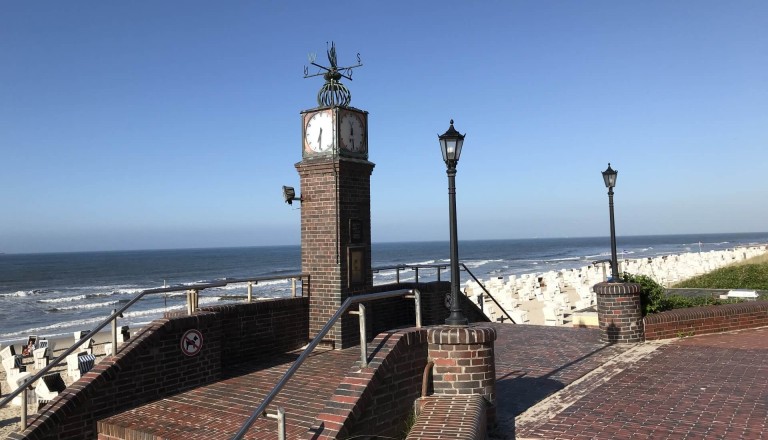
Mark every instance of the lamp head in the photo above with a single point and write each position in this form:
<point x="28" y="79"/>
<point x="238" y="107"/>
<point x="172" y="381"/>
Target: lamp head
<point x="609" y="176"/>
<point x="450" y="143"/>
<point x="289" y="194"/>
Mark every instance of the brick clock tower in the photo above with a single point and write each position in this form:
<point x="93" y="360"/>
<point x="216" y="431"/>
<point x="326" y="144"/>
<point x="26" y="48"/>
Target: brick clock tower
<point x="335" y="178"/>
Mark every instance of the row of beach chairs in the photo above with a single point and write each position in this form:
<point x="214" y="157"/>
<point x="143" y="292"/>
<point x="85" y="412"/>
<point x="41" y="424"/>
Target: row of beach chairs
<point x="41" y="350"/>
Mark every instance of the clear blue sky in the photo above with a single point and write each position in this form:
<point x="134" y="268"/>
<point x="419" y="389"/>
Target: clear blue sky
<point x="171" y="124"/>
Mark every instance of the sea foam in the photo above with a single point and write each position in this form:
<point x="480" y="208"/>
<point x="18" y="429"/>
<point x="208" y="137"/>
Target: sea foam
<point x="85" y="306"/>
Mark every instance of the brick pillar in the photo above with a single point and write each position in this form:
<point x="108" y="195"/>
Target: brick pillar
<point x="335" y="218"/>
<point x="619" y="312"/>
<point x="464" y="362"/>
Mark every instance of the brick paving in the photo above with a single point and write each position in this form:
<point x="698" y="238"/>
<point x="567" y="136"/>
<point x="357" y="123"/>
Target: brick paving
<point x="710" y="386"/>
<point x="217" y="410"/>
<point x="533" y="362"/>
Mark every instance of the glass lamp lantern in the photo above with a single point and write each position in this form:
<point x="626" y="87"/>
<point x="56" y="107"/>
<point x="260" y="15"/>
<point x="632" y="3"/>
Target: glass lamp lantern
<point x="609" y="176"/>
<point x="451" y="142"/>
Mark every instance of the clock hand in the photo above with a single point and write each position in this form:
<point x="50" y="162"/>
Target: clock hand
<point x="320" y="138"/>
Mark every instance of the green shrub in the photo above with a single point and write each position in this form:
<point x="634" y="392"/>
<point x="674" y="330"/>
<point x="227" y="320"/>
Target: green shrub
<point x="652" y="296"/>
<point x="742" y="276"/>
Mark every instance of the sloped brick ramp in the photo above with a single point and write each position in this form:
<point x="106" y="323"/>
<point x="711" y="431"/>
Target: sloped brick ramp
<point x="216" y="411"/>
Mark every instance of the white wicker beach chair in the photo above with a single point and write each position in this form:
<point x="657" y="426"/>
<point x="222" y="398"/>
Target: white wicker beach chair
<point x="552" y="315"/>
<point x="11" y="363"/>
<point x="125" y="332"/>
<point x="41" y="357"/>
<point x="73" y="366"/>
<point x="88" y="346"/>
<point x="7" y="352"/>
<point x="31" y="344"/>
<point x="48" y="387"/>
<point x="16" y="379"/>
<point x="86" y="362"/>
<point x="519" y="315"/>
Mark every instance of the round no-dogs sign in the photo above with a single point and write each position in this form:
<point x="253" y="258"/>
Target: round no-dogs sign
<point x="191" y="342"/>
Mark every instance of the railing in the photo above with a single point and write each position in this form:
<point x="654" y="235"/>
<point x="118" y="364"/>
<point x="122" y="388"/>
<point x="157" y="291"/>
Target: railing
<point x="414" y="267"/>
<point x="357" y="299"/>
<point x="439" y="268"/>
<point x="482" y="286"/>
<point x="193" y="291"/>
<point x="192" y="299"/>
<point x="602" y="263"/>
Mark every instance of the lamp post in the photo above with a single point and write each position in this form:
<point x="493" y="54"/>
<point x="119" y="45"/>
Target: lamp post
<point x="609" y="177"/>
<point x="450" y="143"/>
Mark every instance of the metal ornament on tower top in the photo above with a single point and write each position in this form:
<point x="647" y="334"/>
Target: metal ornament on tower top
<point x="333" y="93"/>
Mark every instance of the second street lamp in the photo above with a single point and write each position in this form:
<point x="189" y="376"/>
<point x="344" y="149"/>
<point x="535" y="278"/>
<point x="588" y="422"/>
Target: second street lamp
<point x="609" y="177"/>
<point x="450" y="143"/>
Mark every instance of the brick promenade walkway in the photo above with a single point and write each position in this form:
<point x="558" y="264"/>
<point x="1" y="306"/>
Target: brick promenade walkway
<point x="533" y="362"/>
<point x="703" y="387"/>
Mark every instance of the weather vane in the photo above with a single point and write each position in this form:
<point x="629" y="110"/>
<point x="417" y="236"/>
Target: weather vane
<point x="333" y="92"/>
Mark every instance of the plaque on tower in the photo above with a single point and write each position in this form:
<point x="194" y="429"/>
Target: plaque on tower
<point x="355" y="231"/>
<point x="356" y="261"/>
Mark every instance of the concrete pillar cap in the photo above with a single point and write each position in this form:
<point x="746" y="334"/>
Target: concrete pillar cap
<point x="617" y="288"/>
<point x="454" y="335"/>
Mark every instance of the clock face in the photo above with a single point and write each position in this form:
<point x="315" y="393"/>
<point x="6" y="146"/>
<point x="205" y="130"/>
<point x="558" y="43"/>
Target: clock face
<point x="318" y="133"/>
<point x="352" y="133"/>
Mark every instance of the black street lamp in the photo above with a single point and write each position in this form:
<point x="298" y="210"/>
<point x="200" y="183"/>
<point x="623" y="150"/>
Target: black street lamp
<point x="609" y="176"/>
<point x="450" y="143"/>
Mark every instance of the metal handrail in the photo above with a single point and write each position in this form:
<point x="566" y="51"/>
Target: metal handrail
<point x="414" y="267"/>
<point x="439" y="267"/>
<point x="176" y="288"/>
<point x="602" y="263"/>
<point x="487" y="292"/>
<point x="357" y="299"/>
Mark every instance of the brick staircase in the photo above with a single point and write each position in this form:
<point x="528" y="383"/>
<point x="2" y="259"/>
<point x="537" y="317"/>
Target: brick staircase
<point x="217" y="410"/>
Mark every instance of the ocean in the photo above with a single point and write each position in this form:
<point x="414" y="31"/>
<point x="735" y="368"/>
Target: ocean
<point x="58" y="293"/>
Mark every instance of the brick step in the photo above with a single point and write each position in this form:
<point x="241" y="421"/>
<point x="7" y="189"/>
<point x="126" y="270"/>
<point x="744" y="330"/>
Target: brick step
<point x="450" y="418"/>
<point x="217" y="410"/>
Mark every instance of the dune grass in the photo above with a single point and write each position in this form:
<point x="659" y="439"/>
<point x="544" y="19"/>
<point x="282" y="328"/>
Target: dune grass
<point x="760" y="259"/>
<point x="748" y="274"/>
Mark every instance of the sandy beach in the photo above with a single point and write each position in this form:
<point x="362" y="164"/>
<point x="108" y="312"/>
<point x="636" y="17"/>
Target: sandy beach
<point x="529" y="297"/>
<point x="10" y="415"/>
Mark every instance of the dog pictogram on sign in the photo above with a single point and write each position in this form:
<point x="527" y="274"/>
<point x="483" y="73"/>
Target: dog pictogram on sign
<point x="192" y="342"/>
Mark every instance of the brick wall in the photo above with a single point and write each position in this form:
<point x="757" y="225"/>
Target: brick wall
<point x="256" y="330"/>
<point x="151" y="365"/>
<point x="703" y="320"/>
<point x="377" y="400"/>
